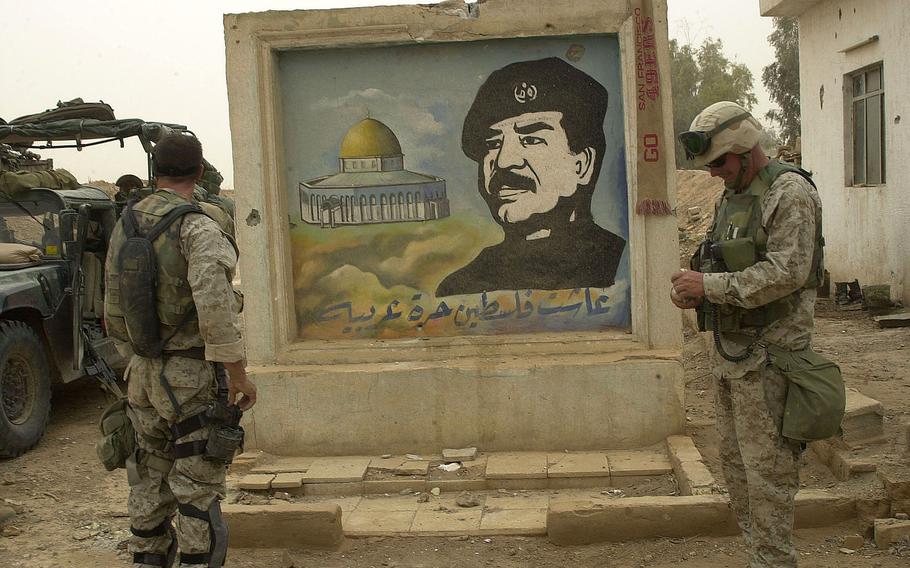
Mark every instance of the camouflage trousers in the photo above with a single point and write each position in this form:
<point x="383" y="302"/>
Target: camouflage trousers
<point x="760" y="465"/>
<point x="159" y="482"/>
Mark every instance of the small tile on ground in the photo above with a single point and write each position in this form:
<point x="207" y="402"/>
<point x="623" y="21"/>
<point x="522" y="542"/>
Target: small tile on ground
<point x="287" y="481"/>
<point x="386" y="464"/>
<point x="524" y="522"/>
<point x="631" y="462"/>
<point x="337" y="470"/>
<point x="518" y="465"/>
<point x="256" y="481"/>
<point x="413" y="468"/>
<point x="588" y="464"/>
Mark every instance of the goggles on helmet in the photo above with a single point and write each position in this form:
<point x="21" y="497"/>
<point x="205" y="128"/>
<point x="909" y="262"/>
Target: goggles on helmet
<point x="697" y="142"/>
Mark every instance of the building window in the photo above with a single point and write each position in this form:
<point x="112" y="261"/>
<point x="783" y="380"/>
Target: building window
<point x="867" y="111"/>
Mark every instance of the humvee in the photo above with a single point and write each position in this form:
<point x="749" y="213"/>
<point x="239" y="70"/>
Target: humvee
<point x="51" y="305"/>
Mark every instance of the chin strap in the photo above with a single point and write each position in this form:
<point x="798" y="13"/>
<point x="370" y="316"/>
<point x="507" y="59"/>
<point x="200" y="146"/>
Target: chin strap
<point x="745" y="160"/>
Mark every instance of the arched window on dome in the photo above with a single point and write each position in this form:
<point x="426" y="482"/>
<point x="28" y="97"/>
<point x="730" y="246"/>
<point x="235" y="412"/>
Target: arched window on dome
<point x="373" y="213"/>
<point x="383" y="207"/>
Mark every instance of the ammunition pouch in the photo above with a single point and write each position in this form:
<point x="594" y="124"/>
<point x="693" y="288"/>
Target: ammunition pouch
<point x="733" y="255"/>
<point x="225" y="438"/>
<point x="737" y="254"/>
<point x="118" y="441"/>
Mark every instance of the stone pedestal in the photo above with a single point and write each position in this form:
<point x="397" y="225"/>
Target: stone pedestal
<point x="564" y="385"/>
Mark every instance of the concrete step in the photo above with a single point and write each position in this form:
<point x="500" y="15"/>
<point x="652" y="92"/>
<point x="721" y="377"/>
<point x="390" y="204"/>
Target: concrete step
<point x="664" y="490"/>
<point x="566" y="517"/>
<point x="370" y="475"/>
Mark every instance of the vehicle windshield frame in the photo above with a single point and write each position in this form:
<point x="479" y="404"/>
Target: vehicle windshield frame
<point x="23" y="211"/>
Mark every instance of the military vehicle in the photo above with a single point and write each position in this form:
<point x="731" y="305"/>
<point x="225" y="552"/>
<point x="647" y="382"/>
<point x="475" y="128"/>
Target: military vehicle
<point x="56" y="232"/>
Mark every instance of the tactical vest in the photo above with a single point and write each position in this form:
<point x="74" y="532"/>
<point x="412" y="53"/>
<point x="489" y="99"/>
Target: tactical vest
<point x="737" y="240"/>
<point x="174" y="299"/>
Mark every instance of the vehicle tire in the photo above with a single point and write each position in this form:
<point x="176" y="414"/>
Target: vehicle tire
<point x="25" y="389"/>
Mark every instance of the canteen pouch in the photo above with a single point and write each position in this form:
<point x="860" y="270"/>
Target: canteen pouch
<point x="816" y="398"/>
<point x="118" y="439"/>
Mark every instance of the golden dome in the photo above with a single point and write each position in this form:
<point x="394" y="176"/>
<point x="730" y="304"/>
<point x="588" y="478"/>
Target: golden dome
<point x="370" y="138"/>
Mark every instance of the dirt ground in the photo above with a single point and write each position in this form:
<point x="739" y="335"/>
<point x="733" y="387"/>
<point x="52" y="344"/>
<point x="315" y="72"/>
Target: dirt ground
<point x="72" y="513"/>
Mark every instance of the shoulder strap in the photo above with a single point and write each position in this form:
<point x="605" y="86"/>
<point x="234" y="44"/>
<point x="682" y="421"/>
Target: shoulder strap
<point x="131" y="227"/>
<point x="129" y="221"/>
<point x="170" y="217"/>
<point x="776" y="168"/>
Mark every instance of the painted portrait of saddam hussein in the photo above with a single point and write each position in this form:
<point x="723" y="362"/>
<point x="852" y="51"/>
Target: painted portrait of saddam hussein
<point x="536" y="132"/>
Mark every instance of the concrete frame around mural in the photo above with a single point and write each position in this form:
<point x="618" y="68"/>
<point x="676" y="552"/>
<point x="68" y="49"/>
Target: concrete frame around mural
<point x="274" y="351"/>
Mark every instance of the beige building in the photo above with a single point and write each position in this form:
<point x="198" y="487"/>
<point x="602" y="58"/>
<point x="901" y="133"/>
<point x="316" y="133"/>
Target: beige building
<point x="854" y="79"/>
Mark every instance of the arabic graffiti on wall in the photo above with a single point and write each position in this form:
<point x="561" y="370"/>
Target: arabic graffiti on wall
<point x="570" y="307"/>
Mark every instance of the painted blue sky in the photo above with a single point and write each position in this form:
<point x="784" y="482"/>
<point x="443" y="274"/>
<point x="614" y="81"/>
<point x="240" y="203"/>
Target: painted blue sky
<point x="422" y="93"/>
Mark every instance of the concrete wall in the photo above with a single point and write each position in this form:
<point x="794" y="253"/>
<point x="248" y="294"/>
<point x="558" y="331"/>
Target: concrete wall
<point x="608" y="388"/>
<point x="865" y="227"/>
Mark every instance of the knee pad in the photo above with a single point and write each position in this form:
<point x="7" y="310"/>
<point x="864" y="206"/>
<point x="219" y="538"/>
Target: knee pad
<point x="218" y="535"/>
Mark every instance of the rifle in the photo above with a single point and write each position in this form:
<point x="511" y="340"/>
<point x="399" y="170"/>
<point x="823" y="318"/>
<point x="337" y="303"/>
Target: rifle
<point x="96" y="366"/>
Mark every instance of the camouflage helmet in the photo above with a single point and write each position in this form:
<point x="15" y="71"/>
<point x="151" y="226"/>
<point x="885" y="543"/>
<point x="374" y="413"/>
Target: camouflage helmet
<point x="737" y="131"/>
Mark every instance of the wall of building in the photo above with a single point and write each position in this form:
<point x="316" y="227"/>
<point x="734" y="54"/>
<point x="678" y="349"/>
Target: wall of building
<point x="865" y="227"/>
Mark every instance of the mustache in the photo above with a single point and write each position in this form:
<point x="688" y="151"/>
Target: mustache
<point x="503" y="178"/>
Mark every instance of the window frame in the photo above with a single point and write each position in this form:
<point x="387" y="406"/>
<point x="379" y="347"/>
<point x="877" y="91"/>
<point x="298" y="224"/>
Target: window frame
<point x="851" y="102"/>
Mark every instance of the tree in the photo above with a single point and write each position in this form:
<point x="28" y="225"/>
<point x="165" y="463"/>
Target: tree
<point x="703" y="76"/>
<point x="781" y="78"/>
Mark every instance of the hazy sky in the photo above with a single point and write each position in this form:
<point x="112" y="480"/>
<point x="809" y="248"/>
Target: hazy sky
<point x="164" y="61"/>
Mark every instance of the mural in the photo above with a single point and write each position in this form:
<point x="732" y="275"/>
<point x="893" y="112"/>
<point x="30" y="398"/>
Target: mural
<point x="372" y="185"/>
<point x="514" y="218"/>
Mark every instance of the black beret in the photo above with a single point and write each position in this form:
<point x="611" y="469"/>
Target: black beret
<point x="533" y="86"/>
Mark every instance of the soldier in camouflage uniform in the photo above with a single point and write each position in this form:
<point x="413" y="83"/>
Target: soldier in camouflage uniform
<point x="196" y="262"/>
<point x="768" y="302"/>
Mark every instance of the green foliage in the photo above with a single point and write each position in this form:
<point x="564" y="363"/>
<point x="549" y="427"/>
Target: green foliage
<point x="703" y="76"/>
<point x="781" y="78"/>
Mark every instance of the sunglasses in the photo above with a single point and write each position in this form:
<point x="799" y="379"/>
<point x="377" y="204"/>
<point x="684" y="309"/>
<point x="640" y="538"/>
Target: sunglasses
<point x="718" y="163"/>
<point x="697" y="142"/>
